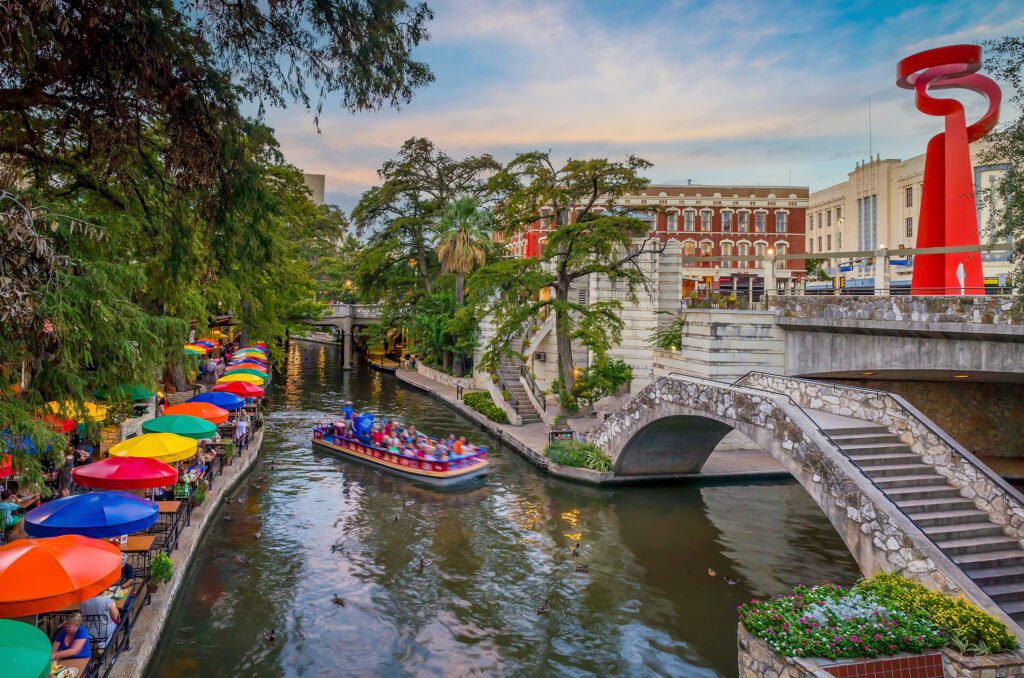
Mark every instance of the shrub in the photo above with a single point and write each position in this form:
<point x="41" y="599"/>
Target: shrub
<point x="883" y="615"/>
<point x="973" y="629"/>
<point x="578" y="455"/>
<point x="482" y="403"/>
<point x="162" y="569"/>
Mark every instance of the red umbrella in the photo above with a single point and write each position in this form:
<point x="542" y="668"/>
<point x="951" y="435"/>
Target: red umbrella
<point x="43" y="575"/>
<point x="126" y="473"/>
<point x="5" y="465"/>
<point x="60" y="425"/>
<point x="240" y="388"/>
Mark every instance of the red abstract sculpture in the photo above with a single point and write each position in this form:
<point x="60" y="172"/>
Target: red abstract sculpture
<point x="948" y="213"/>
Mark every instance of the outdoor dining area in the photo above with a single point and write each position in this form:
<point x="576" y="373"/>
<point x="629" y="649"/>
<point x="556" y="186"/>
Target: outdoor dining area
<point x="76" y="571"/>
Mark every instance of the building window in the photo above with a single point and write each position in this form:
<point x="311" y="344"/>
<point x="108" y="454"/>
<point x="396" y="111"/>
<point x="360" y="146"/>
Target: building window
<point x="726" y="253"/>
<point x="819" y="219"/>
<point x="874" y="221"/>
<point x="673" y="221"/>
<point x="689" y="249"/>
<point x="583" y="296"/>
<point x="810" y="243"/>
<point x="759" y="221"/>
<point x="828" y="242"/>
<point x="726" y="220"/>
<point x="781" y="219"/>
<point x="910" y="227"/>
<point x="909" y="193"/>
<point x="839" y="240"/>
<point x="819" y="243"/>
<point x="828" y="218"/>
<point x="705" y="220"/>
<point x="744" y="250"/>
<point x="860" y="223"/>
<point x="759" y="248"/>
<point x="744" y="221"/>
<point x="705" y="249"/>
<point x="688" y="220"/>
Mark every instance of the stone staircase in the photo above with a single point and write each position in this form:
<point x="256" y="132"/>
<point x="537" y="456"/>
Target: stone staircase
<point x="979" y="547"/>
<point x="509" y="373"/>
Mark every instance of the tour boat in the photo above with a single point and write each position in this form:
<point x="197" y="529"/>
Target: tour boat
<point x="429" y="471"/>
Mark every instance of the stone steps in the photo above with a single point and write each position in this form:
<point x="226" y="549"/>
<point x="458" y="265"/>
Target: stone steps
<point x="884" y="459"/>
<point x="964" y="530"/>
<point x="524" y="408"/>
<point x="958" y="517"/>
<point x="957" y="503"/>
<point x="919" y="480"/>
<point x="896" y="470"/>
<point x="996" y="576"/>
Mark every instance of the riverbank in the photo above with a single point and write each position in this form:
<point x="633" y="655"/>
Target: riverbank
<point x="148" y="630"/>
<point x="530" y="440"/>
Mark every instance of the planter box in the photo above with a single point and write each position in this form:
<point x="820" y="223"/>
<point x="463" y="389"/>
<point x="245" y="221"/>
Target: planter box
<point x="904" y="666"/>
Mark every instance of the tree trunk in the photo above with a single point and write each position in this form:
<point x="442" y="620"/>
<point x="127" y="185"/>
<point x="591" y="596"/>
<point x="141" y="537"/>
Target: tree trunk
<point x="563" y="328"/>
<point x="460" y="294"/>
<point x="421" y="257"/>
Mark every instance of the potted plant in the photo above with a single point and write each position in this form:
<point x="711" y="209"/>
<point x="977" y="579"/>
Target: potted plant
<point x="199" y="496"/>
<point x="161" y="571"/>
<point x="229" y="453"/>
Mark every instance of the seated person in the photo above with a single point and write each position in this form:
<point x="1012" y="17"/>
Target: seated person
<point x="72" y="640"/>
<point x="103" y="616"/>
<point x="127" y="571"/>
<point x="7" y="516"/>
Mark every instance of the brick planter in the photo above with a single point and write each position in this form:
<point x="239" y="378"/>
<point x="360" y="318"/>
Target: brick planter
<point x="914" y="666"/>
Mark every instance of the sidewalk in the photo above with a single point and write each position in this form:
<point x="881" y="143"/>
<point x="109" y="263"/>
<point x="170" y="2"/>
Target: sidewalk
<point x="530" y="440"/>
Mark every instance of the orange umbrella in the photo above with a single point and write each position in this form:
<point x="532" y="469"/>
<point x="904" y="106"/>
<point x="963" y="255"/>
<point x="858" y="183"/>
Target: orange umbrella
<point x="43" y="575"/>
<point x="210" y="413"/>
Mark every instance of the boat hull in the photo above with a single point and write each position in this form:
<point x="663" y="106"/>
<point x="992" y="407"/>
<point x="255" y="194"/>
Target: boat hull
<point x="449" y="478"/>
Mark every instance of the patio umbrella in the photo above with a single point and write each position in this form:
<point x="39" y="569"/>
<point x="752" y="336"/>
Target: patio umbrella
<point x="198" y="348"/>
<point x="240" y="388"/>
<point x="99" y="515"/>
<point x="248" y="378"/>
<point x="6" y="468"/>
<point x="165" y="447"/>
<point x="87" y="412"/>
<point x="250" y="365"/>
<point x="24" y="650"/>
<point x="207" y="411"/>
<point x="249" y="371"/>
<point x="60" y="425"/>
<point x="205" y="342"/>
<point x="125" y="473"/>
<point x="181" y="424"/>
<point x="43" y="575"/>
<point x="225" y="401"/>
<point x="247" y="361"/>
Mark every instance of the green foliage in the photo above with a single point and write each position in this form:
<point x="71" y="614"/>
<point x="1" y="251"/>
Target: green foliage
<point x="601" y="379"/>
<point x="815" y="270"/>
<point x="668" y="337"/>
<point x="482" y="403"/>
<point x="578" y="455"/>
<point x="161" y="570"/>
<point x="972" y="628"/>
<point x="229" y="452"/>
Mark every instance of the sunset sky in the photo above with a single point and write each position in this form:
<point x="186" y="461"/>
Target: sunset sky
<point x="717" y="91"/>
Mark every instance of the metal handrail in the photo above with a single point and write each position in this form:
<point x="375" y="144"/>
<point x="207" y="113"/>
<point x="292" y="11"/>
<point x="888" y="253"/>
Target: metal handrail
<point x="912" y="412"/>
<point x="538" y="393"/>
<point x="505" y="389"/>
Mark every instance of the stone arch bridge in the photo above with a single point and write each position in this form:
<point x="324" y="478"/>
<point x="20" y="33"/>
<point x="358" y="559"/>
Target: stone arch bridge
<point x="902" y="494"/>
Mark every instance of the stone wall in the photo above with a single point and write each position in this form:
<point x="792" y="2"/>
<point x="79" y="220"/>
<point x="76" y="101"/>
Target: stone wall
<point x="987" y="310"/>
<point x="756" y="660"/>
<point x="442" y="378"/>
<point x="990" y="494"/>
<point x="1004" y="665"/>
<point x="986" y="418"/>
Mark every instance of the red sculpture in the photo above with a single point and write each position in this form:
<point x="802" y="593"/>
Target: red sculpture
<point x="948" y="214"/>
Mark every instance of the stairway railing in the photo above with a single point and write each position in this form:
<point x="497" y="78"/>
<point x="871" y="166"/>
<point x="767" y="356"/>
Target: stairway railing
<point x="538" y="392"/>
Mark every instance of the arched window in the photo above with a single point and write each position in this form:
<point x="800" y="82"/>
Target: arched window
<point x="726" y="253"/>
<point x="705" y="220"/>
<point x="689" y="250"/>
<point x="760" y="217"/>
<point x="688" y="219"/>
<point x="726" y="221"/>
<point x="744" y="250"/>
<point x="782" y="220"/>
<point x="743" y="221"/>
<point x="673" y="221"/>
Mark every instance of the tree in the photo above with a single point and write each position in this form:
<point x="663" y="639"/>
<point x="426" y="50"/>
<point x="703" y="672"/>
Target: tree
<point x="816" y="271"/>
<point x="462" y="247"/>
<point x="1005" y="61"/>
<point x="402" y="214"/>
<point x="592" y="235"/>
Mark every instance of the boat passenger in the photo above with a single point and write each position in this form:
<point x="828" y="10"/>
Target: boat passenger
<point x="347" y="411"/>
<point x="459" y="444"/>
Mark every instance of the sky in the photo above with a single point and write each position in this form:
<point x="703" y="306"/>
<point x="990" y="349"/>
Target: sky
<point x="746" y="92"/>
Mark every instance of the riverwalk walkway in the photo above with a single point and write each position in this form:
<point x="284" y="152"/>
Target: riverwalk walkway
<point x="148" y="630"/>
<point x="531" y="439"/>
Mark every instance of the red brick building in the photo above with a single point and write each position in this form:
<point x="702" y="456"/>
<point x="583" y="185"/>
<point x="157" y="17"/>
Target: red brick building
<point x="730" y="223"/>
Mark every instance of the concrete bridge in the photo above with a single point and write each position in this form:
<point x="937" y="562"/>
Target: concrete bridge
<point x="901" y="493"/>
<point x="344" y="319"/>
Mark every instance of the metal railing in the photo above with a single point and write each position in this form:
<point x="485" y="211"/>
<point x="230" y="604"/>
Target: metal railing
<point x="538" y="392"/>
<point x="507" y="393"/>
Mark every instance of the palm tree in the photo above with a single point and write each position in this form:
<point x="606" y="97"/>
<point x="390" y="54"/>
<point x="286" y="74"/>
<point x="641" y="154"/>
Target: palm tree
<point x="462" y="246"/>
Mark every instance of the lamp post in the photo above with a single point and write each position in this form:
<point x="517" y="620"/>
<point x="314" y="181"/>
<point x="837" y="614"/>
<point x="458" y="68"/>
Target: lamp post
<point x="770" y="283"/>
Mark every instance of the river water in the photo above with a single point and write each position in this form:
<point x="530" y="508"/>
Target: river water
<point x="495" y="552"/>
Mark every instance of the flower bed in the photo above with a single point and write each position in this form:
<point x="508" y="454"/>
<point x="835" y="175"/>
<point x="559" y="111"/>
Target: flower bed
<point x="884" y="615"/>
<point x="482" y="403"/>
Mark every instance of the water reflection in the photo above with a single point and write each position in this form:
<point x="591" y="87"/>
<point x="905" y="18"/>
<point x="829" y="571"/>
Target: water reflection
<point x="364" y="574"/>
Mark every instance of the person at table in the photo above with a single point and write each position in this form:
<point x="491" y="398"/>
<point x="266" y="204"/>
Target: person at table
<point x="127" y="571"/>
<point x="107" y="617"/>
<point x="72" y="640"/>
<point x="64" y="476"/>
<point x="241" y="427"/>
<point x="7" y="517"/>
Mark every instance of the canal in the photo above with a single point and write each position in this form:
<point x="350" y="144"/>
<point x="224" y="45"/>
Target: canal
<point x="493" y="553"/>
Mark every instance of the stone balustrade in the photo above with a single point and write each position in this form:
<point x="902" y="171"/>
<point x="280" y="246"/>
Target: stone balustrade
<point x="1003" y="311"/>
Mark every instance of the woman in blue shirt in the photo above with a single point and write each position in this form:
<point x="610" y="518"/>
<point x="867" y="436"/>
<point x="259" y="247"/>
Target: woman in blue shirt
<point x="72" y="641"/>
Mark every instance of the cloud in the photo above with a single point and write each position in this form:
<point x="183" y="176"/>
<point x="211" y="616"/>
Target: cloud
<point x="738" y="90"/>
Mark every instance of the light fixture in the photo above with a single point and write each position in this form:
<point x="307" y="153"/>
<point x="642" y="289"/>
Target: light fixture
<point x="869" y="374"/>
<point x="961" y="376"/>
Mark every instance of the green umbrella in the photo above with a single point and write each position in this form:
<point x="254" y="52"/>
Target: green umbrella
<point x="134" y="392"/>
<point x="24" y="650"/>
<point x="182" y="424"/>
<point x="247" y="370"/>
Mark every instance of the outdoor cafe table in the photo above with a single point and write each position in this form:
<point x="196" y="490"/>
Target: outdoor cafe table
<point x="139" y="548"/>
<point x="171" y="510"/>
<point x="79" y="664"/>
<point x="25" y="502"/>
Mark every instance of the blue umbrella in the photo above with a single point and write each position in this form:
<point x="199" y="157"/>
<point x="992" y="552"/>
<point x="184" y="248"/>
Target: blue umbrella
<point x="225" y="401"/>
<point x="99" y="515"/>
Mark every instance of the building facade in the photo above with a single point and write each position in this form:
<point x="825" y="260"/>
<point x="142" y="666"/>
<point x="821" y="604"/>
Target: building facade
<point x="729" y="223"/>
<point x="878" y="207"/>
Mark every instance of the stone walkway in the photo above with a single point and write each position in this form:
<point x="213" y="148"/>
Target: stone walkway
<point x="149" y="628"/>
<point x="530" y="440"/>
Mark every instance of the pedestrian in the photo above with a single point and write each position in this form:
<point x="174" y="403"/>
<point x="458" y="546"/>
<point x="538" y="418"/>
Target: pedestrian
<point x="64" y="476"/>
<point x="211" y="370"/>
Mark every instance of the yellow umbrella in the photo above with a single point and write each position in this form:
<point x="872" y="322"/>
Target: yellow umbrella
<point x="92" y="410"/>
<point x="248" y="378"/>
<point x="165" y="447"/>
